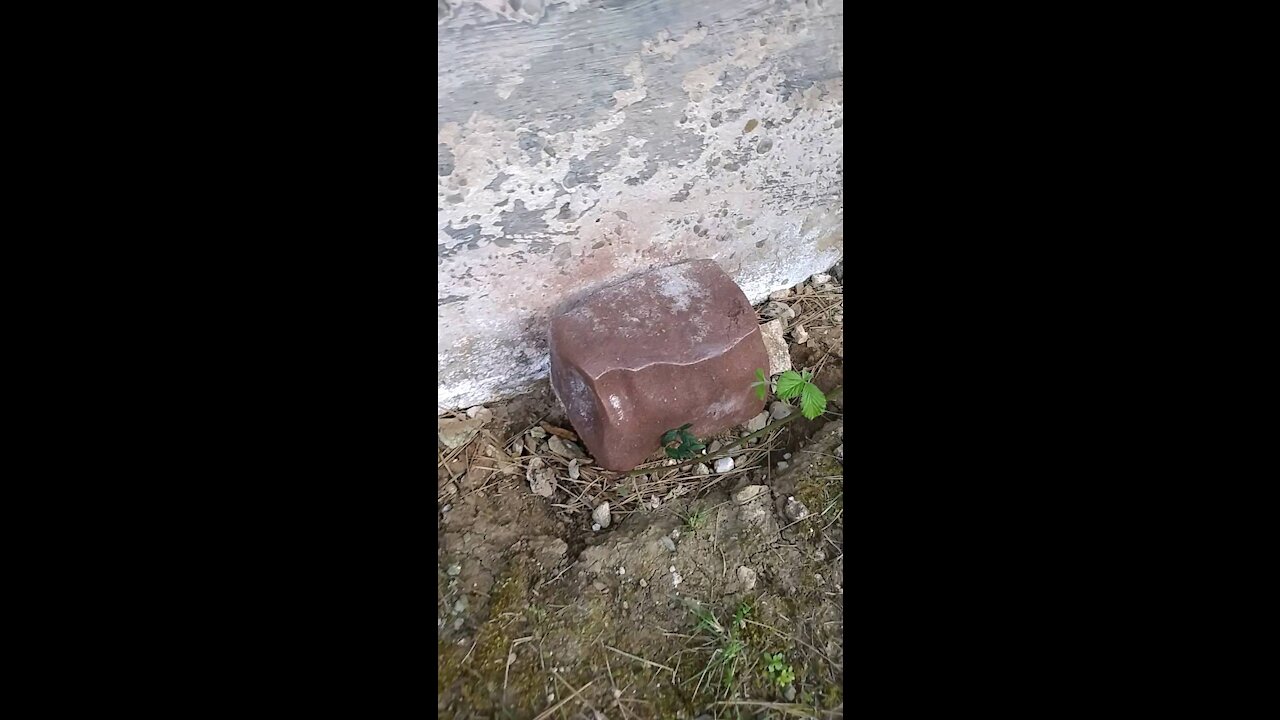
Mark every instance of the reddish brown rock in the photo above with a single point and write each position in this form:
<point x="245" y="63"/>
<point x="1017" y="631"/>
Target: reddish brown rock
<point x="673" y="346"/>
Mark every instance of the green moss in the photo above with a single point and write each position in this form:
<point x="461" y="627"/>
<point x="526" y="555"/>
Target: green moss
<point x="821" y="485"/>
<point x="477" y="683"/>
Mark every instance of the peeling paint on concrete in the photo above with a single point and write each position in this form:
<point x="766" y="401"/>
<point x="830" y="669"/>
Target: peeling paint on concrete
<point x="623" y="148"/>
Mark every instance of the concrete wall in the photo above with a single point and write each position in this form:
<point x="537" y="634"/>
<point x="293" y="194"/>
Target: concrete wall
<point x="582" y="141"/>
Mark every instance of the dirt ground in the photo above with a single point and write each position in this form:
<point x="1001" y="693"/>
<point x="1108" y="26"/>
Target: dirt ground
<point x="707" y="595"/>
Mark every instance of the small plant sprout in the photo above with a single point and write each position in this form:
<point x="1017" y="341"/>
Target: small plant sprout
<point x="680" y="444"/>
<point x="761" y="385"/>
<point x="779" y="671"/>
<point x="792" y="384"/>
<point x="696" y="520"/>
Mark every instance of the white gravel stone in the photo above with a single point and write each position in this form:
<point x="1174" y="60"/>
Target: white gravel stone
<point x="601" y="515"/>
<point x="795" y="509"/>
<point x="541" y="479"/>
<point x="724" y="465"/>
<point x="758" y="422"/>
<point x="779" y="410"/>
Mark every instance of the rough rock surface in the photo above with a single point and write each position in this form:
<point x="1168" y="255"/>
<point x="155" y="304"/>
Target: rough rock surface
<point x="775" y="344"/>
<point x="454" y="433"/>
<point x="672" y="346"/>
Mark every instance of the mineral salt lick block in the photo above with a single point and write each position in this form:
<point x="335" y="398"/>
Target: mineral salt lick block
<point x="672" y="346"/>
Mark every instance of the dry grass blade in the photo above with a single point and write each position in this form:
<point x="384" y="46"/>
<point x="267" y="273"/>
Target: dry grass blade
<point x="637" y="657"/>
<point x="788" y="708"/>
<point x="547" y="713"/>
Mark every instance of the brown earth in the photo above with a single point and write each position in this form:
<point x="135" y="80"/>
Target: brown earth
<point x="670" y="610"/>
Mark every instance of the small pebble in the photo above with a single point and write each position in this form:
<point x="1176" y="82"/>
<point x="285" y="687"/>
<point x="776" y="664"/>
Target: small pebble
<point x="551" y="697"/>
<point x="601" y="515"/>
<point x="724" y="465"/>
<point x="800" y="334"/>
<point x="758" y="422"/>
<point x="644" y="583"/>
<point x="821" y="279"/>
<point x="701" y="469"/>
<point x="795" y="509"/>
<point x="667" y="543"/>
<point x="779" y="410"/>
<point x="454" y="570"/>
<point x="574" y="473"/>
<point x="675" y="533"/>
<point x="778" y="309"/>
<point x="595" y="527"/>
<point x="782" y="465"/>
<point x="786" y="456"/>
<point x="537" y="432"/>
<point x="714" y="447"/>
<point x="447" y="507"/>
<point x="622" y="571"/>
<point x="790" y="693"/>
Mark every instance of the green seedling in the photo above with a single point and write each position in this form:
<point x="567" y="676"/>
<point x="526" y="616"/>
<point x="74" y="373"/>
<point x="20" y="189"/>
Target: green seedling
<point x="779" y="671"/>
<point x="696" y="519"/>
<point x="680" y="444"/>
<point x="791" y="384"/>
<point x="761" y="385"/>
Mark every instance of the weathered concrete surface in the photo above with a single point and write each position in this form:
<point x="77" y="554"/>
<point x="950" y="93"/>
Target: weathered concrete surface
<point x="583" y="141"/>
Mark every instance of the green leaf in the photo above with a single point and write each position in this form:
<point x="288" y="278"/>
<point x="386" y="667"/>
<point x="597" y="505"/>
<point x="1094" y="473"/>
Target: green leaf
<point x="789" y="384"/>
<point x="812" y="402"/>
<point x="761" y="385"/>
<point x="680" y="443"/>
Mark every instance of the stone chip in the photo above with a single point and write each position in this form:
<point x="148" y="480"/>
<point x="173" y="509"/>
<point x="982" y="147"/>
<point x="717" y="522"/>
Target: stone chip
<point x="775" y="344"/>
